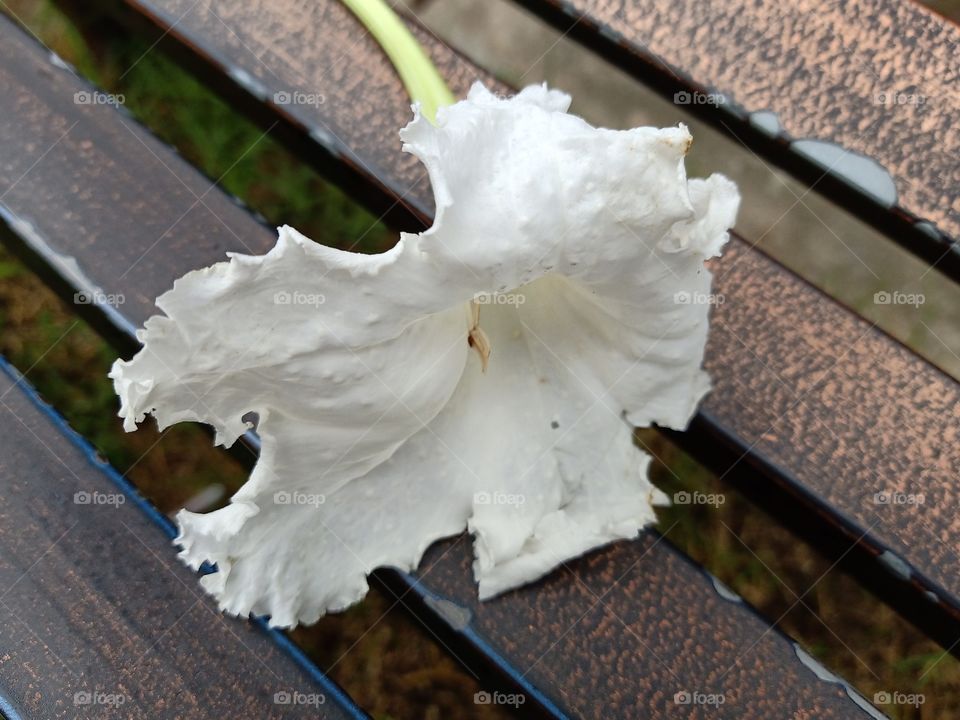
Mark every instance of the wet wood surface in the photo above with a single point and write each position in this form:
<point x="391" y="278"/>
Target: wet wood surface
<point x="98" y="619"/>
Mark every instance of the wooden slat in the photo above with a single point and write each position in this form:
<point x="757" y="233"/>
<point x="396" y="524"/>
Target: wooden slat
<point x="620" y="632"/>
<point x="98" y="618"/>
<point x="131" y="188"/>
<point x="877" y="77"/>
<point x="830" y="410"/>
<point x="327" y="54"/>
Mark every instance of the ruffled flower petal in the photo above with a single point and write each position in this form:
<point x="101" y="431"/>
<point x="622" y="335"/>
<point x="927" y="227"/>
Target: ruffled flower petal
<point x="339" y="356"/>
<point x="381" y="431"/>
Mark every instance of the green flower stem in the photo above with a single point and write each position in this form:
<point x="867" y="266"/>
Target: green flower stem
<point x="418" y="73"/>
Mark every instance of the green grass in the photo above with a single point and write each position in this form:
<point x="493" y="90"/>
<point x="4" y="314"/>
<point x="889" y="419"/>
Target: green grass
<point x="380" y="655"/>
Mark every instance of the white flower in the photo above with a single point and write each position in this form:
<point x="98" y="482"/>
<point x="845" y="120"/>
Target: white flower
<point x="381" y="431"/>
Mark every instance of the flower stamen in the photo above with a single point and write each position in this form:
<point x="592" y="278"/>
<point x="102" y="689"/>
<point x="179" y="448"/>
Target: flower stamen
<point x="477" y="338"/>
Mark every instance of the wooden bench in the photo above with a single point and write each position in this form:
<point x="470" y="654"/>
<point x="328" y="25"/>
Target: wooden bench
<point x="801" y="416"/>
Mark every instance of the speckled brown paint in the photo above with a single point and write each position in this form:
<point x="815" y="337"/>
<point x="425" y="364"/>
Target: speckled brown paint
<point x="825" y="69"/>
<point x="93" y="600"/>
<point x="618" y="633"/>
<point x="318" y="48"/>
<point x="101" y="193"/>
<point x="843" y="407"/>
